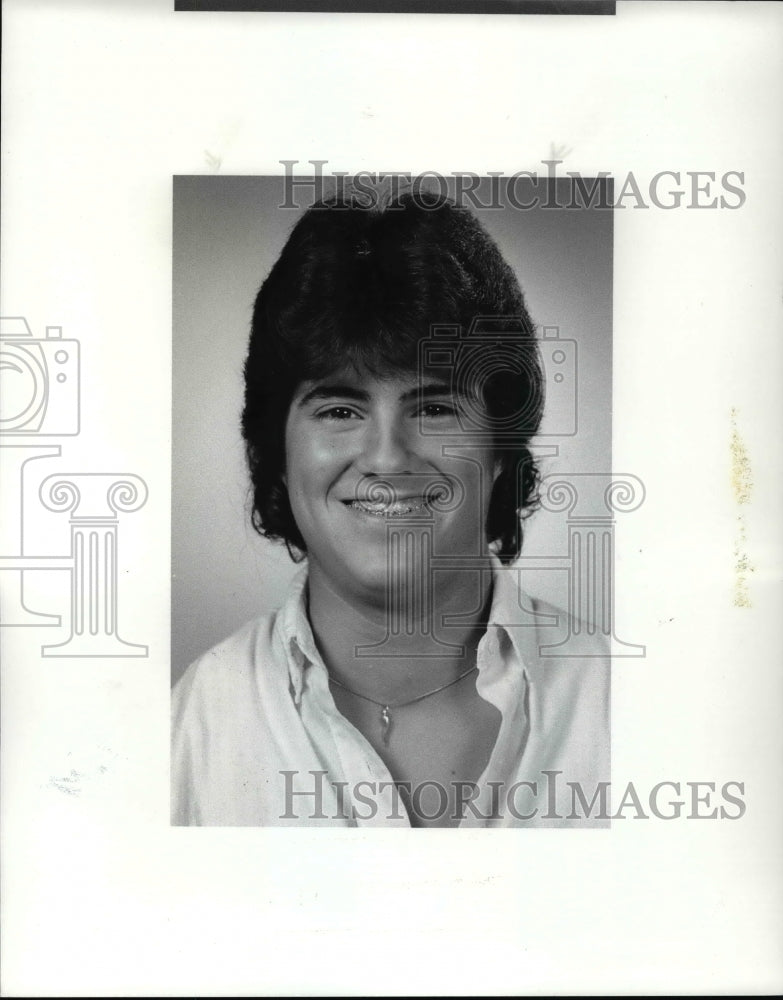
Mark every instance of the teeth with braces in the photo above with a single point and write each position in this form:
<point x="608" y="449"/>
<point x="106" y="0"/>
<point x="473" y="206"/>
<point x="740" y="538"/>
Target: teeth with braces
<point x="378" y="508"/>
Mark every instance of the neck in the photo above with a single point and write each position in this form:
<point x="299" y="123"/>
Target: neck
<point x="392" y="653"/>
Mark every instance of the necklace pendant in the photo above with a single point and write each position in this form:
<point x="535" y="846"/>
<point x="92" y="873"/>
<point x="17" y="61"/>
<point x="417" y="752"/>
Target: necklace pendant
<point x="386" y="723"/>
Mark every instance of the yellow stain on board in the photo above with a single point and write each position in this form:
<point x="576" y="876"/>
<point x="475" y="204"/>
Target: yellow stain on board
<point x="742" y="487"/>
<point x="741" y="480"/>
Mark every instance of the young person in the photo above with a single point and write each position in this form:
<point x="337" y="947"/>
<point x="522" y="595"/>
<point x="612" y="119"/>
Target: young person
<point x="393" y="385"/>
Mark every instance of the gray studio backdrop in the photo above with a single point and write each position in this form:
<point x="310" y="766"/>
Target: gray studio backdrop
<point x="228" y="231"/>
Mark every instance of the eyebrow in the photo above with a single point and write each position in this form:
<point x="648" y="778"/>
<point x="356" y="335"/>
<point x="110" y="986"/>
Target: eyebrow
<point x="340" y="391"/>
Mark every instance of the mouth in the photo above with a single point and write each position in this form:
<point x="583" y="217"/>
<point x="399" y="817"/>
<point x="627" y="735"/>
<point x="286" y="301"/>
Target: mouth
<point x="401" y="507"/>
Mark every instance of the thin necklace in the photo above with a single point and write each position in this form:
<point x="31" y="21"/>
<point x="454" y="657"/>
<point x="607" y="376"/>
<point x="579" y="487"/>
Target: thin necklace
<point x="386" y="707"/>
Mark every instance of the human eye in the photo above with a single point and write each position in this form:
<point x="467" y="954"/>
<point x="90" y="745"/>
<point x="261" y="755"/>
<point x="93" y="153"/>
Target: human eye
<point x="435" y="410"/>
<point x="337" y="414"/>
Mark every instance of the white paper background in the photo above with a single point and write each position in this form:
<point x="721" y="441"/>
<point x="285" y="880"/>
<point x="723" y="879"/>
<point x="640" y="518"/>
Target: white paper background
<point x="102" y="104"/>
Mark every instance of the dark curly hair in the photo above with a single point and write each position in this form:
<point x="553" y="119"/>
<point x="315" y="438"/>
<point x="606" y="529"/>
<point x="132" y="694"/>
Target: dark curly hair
<point x="364" y="286"/>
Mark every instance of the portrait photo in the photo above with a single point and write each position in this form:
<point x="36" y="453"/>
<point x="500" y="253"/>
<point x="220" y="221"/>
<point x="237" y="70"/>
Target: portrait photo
<point x="392" y="504"/>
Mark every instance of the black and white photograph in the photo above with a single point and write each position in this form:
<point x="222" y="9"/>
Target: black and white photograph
<point x="390" y="474"/>
<point x="402" y="418"/>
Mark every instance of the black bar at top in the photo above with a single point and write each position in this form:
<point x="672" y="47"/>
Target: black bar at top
<point x="404" y="6"/>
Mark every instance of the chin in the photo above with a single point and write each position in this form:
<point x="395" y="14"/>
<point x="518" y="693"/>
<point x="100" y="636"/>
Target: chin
<point x="374" y="577"/>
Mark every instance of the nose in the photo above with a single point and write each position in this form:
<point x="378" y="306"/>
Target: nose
<point x="386" y="448"/>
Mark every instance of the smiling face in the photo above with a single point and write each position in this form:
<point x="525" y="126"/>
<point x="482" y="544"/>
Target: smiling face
<point x="369" y="459"/>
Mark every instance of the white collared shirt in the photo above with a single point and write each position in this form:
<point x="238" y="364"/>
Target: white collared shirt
<point x="259" y="741"/>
